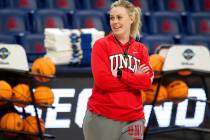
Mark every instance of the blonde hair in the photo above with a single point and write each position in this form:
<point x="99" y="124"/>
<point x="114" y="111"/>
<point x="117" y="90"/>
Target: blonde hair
<point x="134" y="12"/>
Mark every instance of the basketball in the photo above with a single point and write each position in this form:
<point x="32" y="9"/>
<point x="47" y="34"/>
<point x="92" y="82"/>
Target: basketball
<point x="44" y="95"/>
<point x="150" y="94"/>
<point x="5" y="91"/>
<point x="177" y="90"/>
<point x="31" y="125"/>
<point x="22" y="92"/>
<point x="43" y="66"/>
<point x="12" y="121"/>
<point x="156" y="62"/>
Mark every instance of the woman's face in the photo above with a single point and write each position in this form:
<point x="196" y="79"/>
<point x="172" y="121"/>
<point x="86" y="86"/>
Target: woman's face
<point x="120" y="21"/>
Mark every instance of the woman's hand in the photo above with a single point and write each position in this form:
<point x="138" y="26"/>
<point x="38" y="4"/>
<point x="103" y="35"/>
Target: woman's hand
<point x="143" y="69"/>
<point x="114" y="73"/>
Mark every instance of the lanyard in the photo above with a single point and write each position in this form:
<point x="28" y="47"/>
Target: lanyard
<point x="125" y="52"/>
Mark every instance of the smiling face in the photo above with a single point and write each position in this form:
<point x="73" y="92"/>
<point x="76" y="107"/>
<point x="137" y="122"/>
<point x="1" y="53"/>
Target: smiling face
<point x="120" y="21"/>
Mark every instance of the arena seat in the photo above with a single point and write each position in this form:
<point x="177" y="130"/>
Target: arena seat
<point x="103" y="5"/>
<point x="14" y="21"/>
<point x="23" y="4"/>
<point x="90" y="19"/>
<point x="6" y="38"/>
<point x="166" y="23"/>
<point x="33" y="45"/>
<point x="64" y="4"/>
<point x="196" y="40"/>
<point x="173" y="5"/>
<point x="145" y="5"/>
<point x="200" y="5"/>
<point x="49" y="18"/>
<point x="199" y="23"/>
<point x="153" y="41"/>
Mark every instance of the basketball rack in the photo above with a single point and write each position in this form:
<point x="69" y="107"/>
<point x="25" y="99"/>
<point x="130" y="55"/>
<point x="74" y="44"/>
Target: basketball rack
<point x="14" y="69"/>
<point x="181" y="58"/>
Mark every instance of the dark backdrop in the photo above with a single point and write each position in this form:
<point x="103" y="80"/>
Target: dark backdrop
<point x="80" y="80"/>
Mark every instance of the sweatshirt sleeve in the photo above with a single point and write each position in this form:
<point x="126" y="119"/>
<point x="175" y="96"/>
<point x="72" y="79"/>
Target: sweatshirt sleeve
<point x="139" y="81"/>
<point x="102" y="75"/>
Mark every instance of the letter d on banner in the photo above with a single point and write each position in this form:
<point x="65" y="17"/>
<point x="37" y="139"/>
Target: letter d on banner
<point x="182" y="120"/>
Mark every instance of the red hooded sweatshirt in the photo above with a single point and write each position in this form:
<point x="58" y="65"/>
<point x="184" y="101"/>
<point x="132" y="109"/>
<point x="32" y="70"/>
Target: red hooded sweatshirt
<point x="113" y="98"/>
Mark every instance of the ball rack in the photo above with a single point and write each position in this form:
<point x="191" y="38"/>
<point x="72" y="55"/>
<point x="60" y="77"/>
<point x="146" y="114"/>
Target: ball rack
<point x="202" y="72"/>
<point x="14" y="77"/>
<point x="14" y="69"/>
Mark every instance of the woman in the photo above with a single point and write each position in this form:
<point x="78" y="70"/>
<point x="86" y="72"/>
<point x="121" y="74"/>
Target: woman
<point x="120" y="68"/>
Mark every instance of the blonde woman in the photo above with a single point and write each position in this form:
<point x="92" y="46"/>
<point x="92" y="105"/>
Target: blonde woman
<point x="120" y="67"/>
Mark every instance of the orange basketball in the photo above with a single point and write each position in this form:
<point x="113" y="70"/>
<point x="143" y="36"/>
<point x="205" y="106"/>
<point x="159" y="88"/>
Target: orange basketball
<point x="22" y="92"/>
<point x="150" y="94"/>
<point x="43" y="66"/>
<point x="44" y="95"/>
<point x="31" y="125"/>
<point x="5" y="91"/>
<point x="177" y="90"/>
<point x="12" y="121"/>
<point x="156" y="62"/>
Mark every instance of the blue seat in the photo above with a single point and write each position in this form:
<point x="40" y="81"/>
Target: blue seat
<point x="14" y="21"/>
<point x="49" y="18"/>
<point x="201" y="5"/>
<point x="153" y="41"/>
<point x="173" y="5"/>
<point x="64" y="4"/>
<point x="103" y="5"/>
<point x="90" y="19"/>
<point x="9" y="39"/>
<point x="144" y="26"/>
<point x="199" y="23"/>
<point x="33" y="45"/>
<point x="145" y="5"/>
<point x="166" y="23"/>
<point x="196" y="40"/>
<point x="23" y="4"/>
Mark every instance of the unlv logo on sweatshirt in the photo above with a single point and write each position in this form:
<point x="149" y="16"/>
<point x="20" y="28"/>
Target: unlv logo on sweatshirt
<point x="119" y="61"/>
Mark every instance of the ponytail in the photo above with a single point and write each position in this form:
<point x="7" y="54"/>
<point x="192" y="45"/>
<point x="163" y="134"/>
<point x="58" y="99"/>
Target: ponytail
<point x="136" y="25"/>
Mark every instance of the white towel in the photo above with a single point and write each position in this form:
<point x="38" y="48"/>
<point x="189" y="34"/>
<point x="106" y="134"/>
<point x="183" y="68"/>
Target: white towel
<point x="61" y="57"/>
<point x="57" y="39"/>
